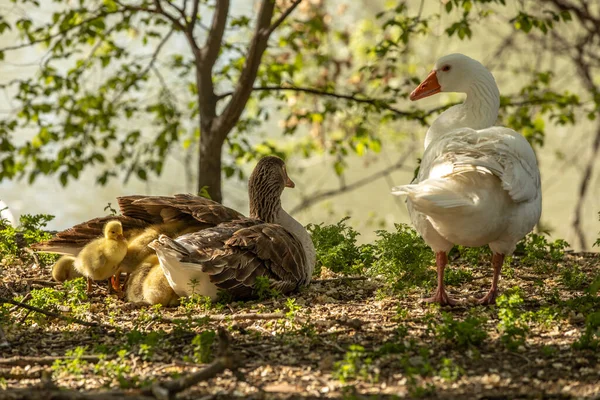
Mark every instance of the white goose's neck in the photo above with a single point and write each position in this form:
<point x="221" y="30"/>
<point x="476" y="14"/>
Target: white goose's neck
<point x="479" y="111"/>
<point x="295" y="228"/>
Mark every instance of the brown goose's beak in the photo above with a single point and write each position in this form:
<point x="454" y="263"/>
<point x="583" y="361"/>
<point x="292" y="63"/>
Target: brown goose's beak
<point x="289" y="183"/>
<point x="426" y="88"/>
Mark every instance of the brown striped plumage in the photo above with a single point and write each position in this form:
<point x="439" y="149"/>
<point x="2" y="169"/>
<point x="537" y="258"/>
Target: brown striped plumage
<point x="233" y="254"/>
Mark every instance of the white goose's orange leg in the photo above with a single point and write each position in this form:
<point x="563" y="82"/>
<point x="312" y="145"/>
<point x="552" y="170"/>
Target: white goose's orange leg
<point x="441" y="297"/>
<point x="490" y="297"/>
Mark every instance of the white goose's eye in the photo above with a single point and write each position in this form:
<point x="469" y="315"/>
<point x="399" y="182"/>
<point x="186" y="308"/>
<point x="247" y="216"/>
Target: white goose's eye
<point x="446" y="68"/>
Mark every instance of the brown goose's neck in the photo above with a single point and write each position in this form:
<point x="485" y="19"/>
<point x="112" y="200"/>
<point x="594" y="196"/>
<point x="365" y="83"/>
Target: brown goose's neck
<point x="265" y="203"/>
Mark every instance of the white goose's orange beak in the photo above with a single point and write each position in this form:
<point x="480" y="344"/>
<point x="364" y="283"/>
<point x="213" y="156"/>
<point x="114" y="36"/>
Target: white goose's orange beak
<point x="426" y="88"/>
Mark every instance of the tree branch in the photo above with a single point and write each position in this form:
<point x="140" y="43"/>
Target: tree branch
<point x="158" y="10"/>
<point x="224" y="360"/>
<point x="320" y="196"/>
<point x="231" y="115"/>
<point x="52" y="314"/>
<point x="283" y="16"/>
<point x="206" y="58"/>
<point x="374" y="102"/>
<point x="194" y="15"/>
<point x="61" y="32"/>
<point x="583" y="188"/>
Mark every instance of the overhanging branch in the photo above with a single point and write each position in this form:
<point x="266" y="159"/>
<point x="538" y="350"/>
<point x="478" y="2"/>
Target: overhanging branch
<point x="322" y="195"/>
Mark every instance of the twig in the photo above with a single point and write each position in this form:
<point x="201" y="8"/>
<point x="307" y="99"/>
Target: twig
<point x="351" y="97"/>
<point x="583" y="188"/>
<point x="22" y="361"/>
<point x="320" y="196"/>
<point x="53" y="314"/>
<point x="283" y="16"/>
<point x="237" y="317"/>
<point x="341" y="279"/>
<point x="167" y="390"/>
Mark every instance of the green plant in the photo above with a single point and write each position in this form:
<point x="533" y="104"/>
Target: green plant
<point x="73" y="366"/>
<point x="29" y="231"/>
<point x="590" y="338"/>
<point x="449" y="370"/>
<point x="202" y="347"/>
<point x="117" y="369"/>
<point x="572" y="277"/>
<point x="402" y="258"/>
<point x="473" y="255"/>
<point x="336" y="248"/>
<point x="512" y="327"/>
<point x="462" y="334"/>
<point x="535" y="248"/>
<point x="355" y="365"/>
<point x="263" y="288"/>
<point x="457" y="275"/>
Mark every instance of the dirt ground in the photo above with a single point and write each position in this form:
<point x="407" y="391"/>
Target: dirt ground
<point x="304" y="351"/>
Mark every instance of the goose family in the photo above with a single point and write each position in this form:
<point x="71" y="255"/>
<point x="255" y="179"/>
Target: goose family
<point x="477" y="184"/>
<point x="231" y="256"/>
<point x="270" y="243"/>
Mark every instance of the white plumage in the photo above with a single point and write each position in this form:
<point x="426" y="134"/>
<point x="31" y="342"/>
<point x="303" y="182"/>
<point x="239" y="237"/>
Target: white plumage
<point x="474" y="187"/>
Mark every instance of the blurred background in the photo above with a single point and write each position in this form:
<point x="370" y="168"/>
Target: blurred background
<point x="101" y="100"/>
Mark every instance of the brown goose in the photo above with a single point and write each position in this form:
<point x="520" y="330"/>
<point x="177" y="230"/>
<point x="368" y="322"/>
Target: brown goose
<point x="144" y="218"/>
<point x="232" y="255"/>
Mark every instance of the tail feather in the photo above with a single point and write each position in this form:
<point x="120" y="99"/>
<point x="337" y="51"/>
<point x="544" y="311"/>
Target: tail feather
<point x="433" y="194"/>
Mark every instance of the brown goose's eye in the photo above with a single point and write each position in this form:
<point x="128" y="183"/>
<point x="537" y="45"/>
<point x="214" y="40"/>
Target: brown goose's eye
<point x="446" y="68"/>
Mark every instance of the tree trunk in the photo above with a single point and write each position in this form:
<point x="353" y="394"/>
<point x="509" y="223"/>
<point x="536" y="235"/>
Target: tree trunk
<point x="209" y="162"/>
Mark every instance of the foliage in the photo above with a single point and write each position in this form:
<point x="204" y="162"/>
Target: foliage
<point x="73" y="298"/>
<point x="355" y="365"/>
<point x="318" y="70"/>
<point x="573" y="278"/>
<point x="536" y="247"/>
<point x="462" y="334"/>
<point x="402" y="258"/>
<point x="73" y="366"/>
<point x="336" y="248"/>
<point x="590" y="338"/>
<point x="264" y="289"/>
<point x="512" y="326"/>
<point x="29" y="231"/>
<point x="202" y="347"/>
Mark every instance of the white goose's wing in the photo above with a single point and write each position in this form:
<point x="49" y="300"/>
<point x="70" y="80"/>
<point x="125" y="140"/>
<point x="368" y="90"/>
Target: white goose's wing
<point x="497" y="150"/>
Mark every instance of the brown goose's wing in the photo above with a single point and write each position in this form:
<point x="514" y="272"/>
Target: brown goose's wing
<point x="235" y="254"/>
<point x="72" y="240"/>
<point x="181" y="207"/>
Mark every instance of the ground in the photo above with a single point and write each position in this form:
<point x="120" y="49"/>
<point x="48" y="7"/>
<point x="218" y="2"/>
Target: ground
<point x="338" y="338"/>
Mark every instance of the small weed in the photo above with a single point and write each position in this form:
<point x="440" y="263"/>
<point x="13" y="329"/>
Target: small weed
<point x="336" y="248"/>
<point x="590" y="338"/>
<point x="264" y="290"/>
<point x="450" y="371"/>
<point x="74" y="366"/>
<point x="473" y="255"/>
<point x="458" y="275"/>
<point x="202" y="347"/>
<point x="355" y="365"/>
<point x="462" y="334"/>
<point x="514" y="330"/>
<point x="536" y="247"/>
<point x="573" y="278"/>
<point x="195" y="303"/>
<point x="117" y="370"/>
<point x="29" y="231"/>
<point x="403" y="258"/>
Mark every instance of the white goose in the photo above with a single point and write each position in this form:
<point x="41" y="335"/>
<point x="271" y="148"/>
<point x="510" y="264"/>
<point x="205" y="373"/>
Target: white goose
<point x="478" y="183"/>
